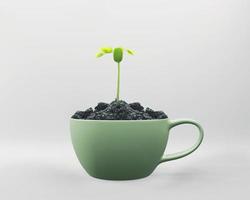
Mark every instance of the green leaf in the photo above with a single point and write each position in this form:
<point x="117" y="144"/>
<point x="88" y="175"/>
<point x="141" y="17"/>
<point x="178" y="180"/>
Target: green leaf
<point x="106" y="49"/>
<point x="131" y="52"/>
<point x="118" y="54"/>
<point x="99" y="54"/>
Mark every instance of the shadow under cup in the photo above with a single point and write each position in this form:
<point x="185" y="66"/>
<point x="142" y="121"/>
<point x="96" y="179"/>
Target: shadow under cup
<point x="124" y="149"/>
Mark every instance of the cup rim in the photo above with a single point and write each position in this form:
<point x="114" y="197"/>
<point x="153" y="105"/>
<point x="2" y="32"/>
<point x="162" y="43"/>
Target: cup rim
<point x="118" y="121"/>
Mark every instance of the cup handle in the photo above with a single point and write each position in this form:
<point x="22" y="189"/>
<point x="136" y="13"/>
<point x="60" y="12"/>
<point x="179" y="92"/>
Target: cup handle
<point x="188" y="151"/>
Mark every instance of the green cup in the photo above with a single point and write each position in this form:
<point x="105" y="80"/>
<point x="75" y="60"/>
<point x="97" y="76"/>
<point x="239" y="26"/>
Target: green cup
<point x="125" y="149"/>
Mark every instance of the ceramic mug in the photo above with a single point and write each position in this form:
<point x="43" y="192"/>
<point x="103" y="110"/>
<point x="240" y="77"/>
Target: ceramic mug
<point x="125" y="149"/>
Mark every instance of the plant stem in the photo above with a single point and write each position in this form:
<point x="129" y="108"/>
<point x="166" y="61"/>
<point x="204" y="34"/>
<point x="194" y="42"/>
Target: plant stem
<point x="118" y="84"/>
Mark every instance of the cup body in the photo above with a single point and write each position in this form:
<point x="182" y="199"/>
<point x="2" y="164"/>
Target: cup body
<point x="119" y="149"/>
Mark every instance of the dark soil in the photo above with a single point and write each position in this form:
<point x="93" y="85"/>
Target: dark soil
<point x="119" y="110"/>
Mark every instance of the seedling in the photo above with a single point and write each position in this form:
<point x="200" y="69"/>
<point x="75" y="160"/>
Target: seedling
<point x="117" y="56"/>
<point x="118" y="109"/>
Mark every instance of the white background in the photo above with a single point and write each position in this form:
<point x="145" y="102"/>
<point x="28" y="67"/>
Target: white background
<point x="192" y="61"/>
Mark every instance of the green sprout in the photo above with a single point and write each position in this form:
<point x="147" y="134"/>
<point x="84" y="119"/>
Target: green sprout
<point x="117" y="56"/>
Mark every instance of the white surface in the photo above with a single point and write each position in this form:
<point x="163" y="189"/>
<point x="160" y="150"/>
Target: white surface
<point x="192" y="61"/>
<point x="50" y="170"/>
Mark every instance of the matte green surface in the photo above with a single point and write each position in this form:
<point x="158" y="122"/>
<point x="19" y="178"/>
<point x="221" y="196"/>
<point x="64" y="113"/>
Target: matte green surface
<point x="121" y="149"/>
